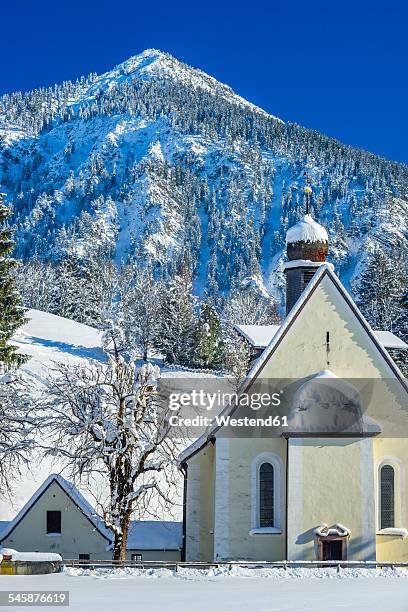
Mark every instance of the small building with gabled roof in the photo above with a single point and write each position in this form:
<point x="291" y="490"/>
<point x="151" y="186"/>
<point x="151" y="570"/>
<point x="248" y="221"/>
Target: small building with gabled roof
<point x="58" y="518"/>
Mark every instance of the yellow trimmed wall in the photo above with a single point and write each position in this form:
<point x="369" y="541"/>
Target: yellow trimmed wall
<point x="268" y="547"/>
<point x="393" y="451"/>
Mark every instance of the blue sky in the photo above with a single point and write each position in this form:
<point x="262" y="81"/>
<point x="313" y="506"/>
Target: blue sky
<point x="337" y="67"/>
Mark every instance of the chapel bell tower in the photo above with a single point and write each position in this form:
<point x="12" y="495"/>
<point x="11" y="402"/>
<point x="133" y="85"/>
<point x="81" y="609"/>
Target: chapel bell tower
<point x="307" y="245"/>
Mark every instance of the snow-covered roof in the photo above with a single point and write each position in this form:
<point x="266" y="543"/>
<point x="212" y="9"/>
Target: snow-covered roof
<point x="306" y="230"/>
<point x="155" y="535"/>
<point x="390" y="340"/>
<point x="338" y="529"/>
<point x="259" y="336"/>
<point x="304" y="297"/>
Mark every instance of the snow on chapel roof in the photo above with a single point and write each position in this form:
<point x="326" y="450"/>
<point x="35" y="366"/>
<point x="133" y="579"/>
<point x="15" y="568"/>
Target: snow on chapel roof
<point x="306" y="230"/>
<point x="259" y="336"/>
<point x="390" y="340"/>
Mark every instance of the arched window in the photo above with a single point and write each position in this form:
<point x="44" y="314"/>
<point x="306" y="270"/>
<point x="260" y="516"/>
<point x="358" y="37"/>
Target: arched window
<point x="267" y="491"/>
<point x="387" y="497"/>
<point x="266" y="495"/>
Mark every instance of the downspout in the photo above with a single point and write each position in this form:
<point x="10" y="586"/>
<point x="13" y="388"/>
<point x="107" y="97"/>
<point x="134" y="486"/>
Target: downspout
<point x="183" y="469"/>
<point x="286" y="501"/>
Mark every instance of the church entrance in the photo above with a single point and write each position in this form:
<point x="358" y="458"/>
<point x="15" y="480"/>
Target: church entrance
<point x="332" y="542"/>
<point x="331" y="548"/>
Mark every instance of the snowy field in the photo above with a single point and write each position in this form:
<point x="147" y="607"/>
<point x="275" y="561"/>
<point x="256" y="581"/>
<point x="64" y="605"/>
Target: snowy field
<point x="221" y="591"/>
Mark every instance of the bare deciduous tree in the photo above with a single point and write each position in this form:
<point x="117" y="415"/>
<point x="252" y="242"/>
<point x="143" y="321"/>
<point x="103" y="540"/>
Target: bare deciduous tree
<point x="107" y="422"/>
<point x="17" y="429"/>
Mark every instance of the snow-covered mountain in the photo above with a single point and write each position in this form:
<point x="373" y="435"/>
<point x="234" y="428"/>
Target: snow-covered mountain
<point x="157" y="160"/>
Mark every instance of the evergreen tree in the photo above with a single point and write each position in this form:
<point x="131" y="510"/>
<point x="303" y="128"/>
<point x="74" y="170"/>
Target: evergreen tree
<point x="177" y="321"/>
<point x="11" y="311"/>
<point x="208" y="347"/>
<point x="381" y="289"/>
<point x="140" y="296"/>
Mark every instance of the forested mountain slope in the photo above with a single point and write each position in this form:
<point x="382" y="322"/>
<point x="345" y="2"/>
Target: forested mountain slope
<point x="158" y="161"/>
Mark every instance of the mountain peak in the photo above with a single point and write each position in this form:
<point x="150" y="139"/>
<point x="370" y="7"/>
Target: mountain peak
<point x="155" y="64"/>
<point x="150" y="61"/>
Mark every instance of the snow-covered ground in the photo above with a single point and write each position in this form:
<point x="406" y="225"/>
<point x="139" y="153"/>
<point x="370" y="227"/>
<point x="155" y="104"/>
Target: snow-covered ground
<point x="246" y="590"/>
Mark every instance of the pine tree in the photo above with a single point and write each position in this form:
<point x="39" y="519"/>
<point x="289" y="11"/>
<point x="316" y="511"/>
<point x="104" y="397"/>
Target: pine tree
<point x="208" y="347"/>
<point x="380" y="291"/>
<point x="140" y="296"/>
<point x="11" y="311"/>
<point x="177" y="321"/>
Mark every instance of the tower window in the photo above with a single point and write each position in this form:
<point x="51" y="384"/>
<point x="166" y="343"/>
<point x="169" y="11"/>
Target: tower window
<point x="54" y="521"/>
<point x="387" y="497"/>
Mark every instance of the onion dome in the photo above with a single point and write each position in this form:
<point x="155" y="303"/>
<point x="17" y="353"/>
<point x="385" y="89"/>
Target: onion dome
<point x="307" y="240"/>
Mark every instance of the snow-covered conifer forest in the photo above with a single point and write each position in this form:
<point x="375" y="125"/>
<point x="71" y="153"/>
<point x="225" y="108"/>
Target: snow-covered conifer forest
<point x="158" y="168"/>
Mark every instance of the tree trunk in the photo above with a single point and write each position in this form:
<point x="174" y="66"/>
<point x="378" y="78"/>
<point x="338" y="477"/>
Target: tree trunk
<point x="125" y="533"/>
<point x="117" y="547"/>
<point x="120" y="540"/>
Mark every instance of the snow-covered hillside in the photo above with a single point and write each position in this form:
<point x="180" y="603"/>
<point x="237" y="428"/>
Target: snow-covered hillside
<point x="48" y="339"/>
<point x="158" y="160"/>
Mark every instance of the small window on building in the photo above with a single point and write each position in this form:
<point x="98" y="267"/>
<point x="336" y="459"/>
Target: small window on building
<point x="84" y="557"/>
<point x="136" y="557"/>
<point x="387" y="512"/>
<point x="266" y="494"/>
<point x="54" y="521"/>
